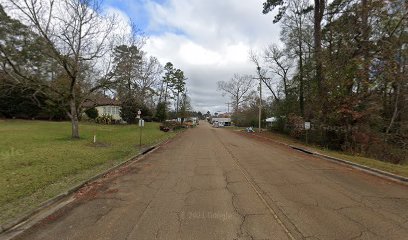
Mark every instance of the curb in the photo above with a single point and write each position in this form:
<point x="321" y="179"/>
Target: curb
<point x="369" y="170"/>
<point x="20" y="220"/>
<point x="372" y="171"/>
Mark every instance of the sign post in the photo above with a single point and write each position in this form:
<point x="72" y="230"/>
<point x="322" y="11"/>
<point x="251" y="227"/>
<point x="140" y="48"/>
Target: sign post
<point x="141" y="125"/>
<point x="307" y="128"/>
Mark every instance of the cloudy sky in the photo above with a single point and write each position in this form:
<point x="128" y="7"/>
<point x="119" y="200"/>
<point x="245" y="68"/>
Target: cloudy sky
<point x="209" y="40"/>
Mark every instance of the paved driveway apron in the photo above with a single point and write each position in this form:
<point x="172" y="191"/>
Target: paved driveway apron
<point x="212" y="183"/>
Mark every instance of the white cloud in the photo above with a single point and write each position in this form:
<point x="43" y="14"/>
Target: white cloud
<point x="198" y="55"/>
<point x="123" y="22"/>
<point x="209" y="40"/>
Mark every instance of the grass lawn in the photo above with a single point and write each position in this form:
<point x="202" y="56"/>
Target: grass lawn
<point x="399" y="169"/>
<point x="38" y="160"/>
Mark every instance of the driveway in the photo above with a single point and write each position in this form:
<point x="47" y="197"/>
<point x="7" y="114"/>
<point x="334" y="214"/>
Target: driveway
<point x="210" y="183"/>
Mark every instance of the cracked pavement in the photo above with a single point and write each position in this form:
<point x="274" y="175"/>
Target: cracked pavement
<point x="217" y="184"/>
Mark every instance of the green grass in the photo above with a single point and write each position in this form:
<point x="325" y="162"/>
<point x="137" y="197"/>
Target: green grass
<point x="399" y="169"/>
<point x="38" y="160"/>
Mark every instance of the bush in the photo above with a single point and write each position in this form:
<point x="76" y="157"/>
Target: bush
<point x="278" y="125"/>
<point x="161" y="113"/>
<point x="148" y="119"/>
<point x="172" y="125"/>
<point x="105" y="119"/>
<point x="295" y="123"/>
<point x="178" y="127"/>
<point x="130" y="108"/>
<point x="164" y="129"/>
<point x="155" y="119"/>
<point x="16" y="102"/>
<point x="92" y="113"/>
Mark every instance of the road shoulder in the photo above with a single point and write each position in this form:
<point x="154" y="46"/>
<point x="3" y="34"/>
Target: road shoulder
<point x="377" y="168"/>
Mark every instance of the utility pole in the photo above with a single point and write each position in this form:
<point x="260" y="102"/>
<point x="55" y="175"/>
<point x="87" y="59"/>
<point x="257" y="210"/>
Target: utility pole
<point x="228" y="104"/>
<point x="260" y="103"/>
<point x="260" y="97"/>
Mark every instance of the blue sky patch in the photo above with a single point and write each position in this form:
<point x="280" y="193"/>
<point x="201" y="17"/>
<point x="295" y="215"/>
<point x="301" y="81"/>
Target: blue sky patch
<point x="138" y="12"/>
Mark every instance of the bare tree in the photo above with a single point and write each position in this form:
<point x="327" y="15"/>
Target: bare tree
<point x="269" y="82"/>
<point x="237" y="88"/>
<point x="76" y="36"/>
<point x="149" y="76"/>
<point x="279" y="64"/>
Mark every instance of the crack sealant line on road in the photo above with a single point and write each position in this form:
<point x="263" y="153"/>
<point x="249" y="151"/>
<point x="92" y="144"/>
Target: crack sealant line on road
<point x="372" y="171"/>
<point x="57" y="202"/>
<point x="252" y="184"/>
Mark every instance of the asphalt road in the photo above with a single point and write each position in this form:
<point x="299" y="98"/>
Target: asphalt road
<point x="212" y="183"/>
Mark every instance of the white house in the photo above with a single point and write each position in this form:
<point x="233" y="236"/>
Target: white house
<point x="222" y="121"/>
<point x="270" y="121"/>
<point x="105" y="105"/>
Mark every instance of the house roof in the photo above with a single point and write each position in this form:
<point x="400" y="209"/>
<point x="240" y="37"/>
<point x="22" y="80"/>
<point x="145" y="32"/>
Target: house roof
<point x="271" y="119"/>
<point x="101" y="101"/>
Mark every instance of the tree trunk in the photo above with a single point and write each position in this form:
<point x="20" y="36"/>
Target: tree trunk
<point x="236" y="105"/>
<point x="177" y="105"/>
<point x="161" y="92"/>
<point x="318" y="16"/>
<point x="165" y="94"/>
<point x="129" y="89"/>
<point x="301" y="97"/>
<point x="395" y="112"/>
<point x="301" y="87"/>
<point x="73" y="114"/>
<point x="285" y="86"/>
<point x="365" y="46"/>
